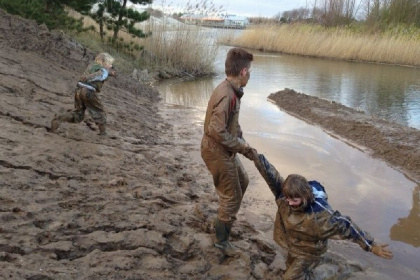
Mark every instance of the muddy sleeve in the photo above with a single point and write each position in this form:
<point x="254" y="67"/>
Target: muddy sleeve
<point x="240" y="134"/>
<point x="218" y="128"/>
<point x="270" y="175"/>
<point x="100" y="76"/>
<point x="337" y="226"/>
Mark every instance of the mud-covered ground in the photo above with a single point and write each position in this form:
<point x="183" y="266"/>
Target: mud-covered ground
<point x="137" y="204"/>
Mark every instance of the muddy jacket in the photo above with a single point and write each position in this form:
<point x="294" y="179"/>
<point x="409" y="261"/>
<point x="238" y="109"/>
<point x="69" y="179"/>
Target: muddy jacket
<point x="94" y="77"/>
<point x="221" y="126"/>
<point x="306" y="232"/>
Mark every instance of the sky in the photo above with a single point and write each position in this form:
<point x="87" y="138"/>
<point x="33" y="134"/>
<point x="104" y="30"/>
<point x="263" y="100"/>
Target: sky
<point x="248" y="8"/>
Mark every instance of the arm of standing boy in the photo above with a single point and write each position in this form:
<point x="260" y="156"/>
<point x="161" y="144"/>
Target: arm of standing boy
<point x="217" y="129"/>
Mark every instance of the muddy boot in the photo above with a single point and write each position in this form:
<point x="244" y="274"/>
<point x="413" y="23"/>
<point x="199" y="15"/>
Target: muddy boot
<point x="222" y="231"/>
<point x="102" y="129"/>
<point x="55" y="123"/>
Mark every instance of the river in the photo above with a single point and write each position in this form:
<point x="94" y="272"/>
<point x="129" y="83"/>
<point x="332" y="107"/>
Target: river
<point x="379" y="199"/>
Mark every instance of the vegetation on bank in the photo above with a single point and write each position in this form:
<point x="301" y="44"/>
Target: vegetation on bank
<point x="387" y="31"/>
<point x="382" y="31"/>
<point x="394" y="46"/>
<point x="164" y="49"/>
<point x="172" y="49"/>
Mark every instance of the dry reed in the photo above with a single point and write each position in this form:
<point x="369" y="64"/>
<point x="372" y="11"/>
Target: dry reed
<point x="180" y="48"/>
<point x="173" y="48"/>
<point x="338" y="43"/>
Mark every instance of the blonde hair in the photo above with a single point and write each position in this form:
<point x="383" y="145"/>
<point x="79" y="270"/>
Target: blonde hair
<point x="296" y="186"/>
<point x="104" y="59"/>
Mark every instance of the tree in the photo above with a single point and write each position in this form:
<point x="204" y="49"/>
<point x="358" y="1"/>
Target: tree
<point x="49" y="12"/>
<point x="99" y="17"/>
<point x="389" y="12"/>
<point x="115" y="15"/>
<point x="79" y="5"/>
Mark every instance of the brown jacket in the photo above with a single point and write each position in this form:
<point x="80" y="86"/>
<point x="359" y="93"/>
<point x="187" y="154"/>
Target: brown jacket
<point x="221" y="126"/>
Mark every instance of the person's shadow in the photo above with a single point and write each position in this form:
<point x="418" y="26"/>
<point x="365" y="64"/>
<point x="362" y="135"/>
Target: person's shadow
<point x="407" y="229"/>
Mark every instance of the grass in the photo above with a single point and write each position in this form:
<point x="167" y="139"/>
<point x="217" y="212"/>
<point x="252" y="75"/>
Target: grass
<point x="401" y="48"/>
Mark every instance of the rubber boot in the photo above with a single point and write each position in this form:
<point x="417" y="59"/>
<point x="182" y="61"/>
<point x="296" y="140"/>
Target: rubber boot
<point x="222" y="232"/>
<point x="102" y="129"/>
<point x="55" y="123"/>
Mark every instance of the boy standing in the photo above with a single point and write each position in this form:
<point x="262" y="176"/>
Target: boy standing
<point x="221" y="142"/>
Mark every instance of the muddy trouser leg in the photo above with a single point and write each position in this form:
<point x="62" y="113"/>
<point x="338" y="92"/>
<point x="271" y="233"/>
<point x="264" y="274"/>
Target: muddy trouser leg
<point x="96" y="110"/>
<point x="228" y="174"/>
<point x="75" y="116"/>
<point x="300" y="267"/>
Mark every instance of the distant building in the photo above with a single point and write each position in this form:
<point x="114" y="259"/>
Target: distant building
<point x="227" y="21"/>
<point x="236" y="21"/>
<point x="191" y="19"/>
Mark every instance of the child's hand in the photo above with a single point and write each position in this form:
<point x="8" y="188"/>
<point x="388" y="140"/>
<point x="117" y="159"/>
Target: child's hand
<point x="251" y="154"/>
<point x="381" y="251"/>
<point x="112" y="72"/>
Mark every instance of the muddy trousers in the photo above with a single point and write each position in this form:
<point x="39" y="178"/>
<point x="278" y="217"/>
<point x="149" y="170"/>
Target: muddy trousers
<point x="84" y="99"/>
<point x="300" y="268"/>
<point x="230" y="180"/>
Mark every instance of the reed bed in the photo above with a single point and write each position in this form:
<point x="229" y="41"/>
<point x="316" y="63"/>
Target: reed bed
<point x="173" y="49"/>
<point x="181" y="49"/>
<point x="334" y="43"/>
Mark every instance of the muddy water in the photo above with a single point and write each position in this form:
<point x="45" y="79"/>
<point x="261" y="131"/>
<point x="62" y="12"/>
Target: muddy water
<point x="378" y="198"/>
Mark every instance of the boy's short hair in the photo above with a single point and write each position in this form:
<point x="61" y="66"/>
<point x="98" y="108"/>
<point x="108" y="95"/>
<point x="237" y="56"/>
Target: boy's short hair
<point x="104" y="59"/>
<point x="296" y="186"/>
<point x="236" y="60"/>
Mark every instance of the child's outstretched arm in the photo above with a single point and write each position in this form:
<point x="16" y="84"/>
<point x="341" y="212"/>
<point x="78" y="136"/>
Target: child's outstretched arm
<point x="269" y="173"/>
<point x="342" y="227"/>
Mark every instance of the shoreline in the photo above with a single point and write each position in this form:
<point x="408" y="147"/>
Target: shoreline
<point x="341" y="44"/>
<point x="396" y="144"/>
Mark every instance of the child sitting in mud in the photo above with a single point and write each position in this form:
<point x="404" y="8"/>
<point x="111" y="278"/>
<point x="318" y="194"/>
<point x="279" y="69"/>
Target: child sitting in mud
<point x="305" y="221"/>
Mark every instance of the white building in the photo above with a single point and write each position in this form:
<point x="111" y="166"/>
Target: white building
<point x="227" y="21"/>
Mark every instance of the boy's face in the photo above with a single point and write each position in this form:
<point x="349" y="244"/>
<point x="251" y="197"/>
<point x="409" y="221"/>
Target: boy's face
<point x="294" y="202"/>
<point x="245" y="75"/>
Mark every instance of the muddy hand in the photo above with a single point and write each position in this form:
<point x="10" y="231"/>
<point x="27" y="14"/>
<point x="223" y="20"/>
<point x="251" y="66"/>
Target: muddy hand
<point x="251" y="154"/>
<point x="112" y="72"/>
<point x="381" y="251"/>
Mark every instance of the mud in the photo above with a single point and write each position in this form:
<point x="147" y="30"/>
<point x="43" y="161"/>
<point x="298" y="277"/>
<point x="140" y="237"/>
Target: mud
<point x="137" y="204"/>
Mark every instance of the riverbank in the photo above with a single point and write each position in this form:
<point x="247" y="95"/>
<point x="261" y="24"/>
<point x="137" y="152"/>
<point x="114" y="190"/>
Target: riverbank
<point x="332" y="43"/>
<point x="395" y="144"/>
<point x="137" y="204"/>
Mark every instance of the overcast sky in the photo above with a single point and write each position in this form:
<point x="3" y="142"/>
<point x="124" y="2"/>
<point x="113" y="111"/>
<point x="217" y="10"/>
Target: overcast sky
<point x="249" y="8"/>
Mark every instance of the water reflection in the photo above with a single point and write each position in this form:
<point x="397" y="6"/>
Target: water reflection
<point x="188" y="93"/>
<point x="384" y="91"/>
<point x="388" y="92"/>
<point x="407" y="229"/>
